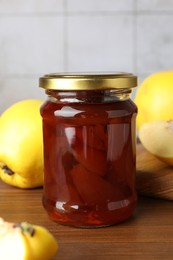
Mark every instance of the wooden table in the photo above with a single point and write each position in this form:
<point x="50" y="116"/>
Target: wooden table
<point x="147" y="235"/>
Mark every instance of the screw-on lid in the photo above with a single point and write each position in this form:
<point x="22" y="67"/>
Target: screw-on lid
<point x="87" y="81"/>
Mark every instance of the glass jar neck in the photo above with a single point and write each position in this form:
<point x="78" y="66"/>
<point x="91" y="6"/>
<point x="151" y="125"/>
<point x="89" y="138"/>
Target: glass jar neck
<point x="89" y="96"/>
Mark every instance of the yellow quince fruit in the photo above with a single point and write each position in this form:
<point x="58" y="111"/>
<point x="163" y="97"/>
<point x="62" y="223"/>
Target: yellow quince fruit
<point x="21" y="145"/>
<point x="157" y="138"/>
<point x="154" y="98"/>
<point x="24" y="241"/>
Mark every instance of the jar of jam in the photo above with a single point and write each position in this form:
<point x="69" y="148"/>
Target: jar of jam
<point x="89" y="148"/>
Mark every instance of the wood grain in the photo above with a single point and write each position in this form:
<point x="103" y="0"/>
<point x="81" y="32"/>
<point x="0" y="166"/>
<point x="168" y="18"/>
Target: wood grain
<point x="148" y="234"/>
<point x="154" y="177"/>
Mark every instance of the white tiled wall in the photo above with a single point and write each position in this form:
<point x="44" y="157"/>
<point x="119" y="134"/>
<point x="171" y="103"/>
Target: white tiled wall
<point x="100" y="43"/>
<point x="154" y="42"/>
<point x="43" y="36"/>
<point x="100" y="5"/>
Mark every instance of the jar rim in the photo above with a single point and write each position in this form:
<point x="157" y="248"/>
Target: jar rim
<point x="88" y="81"/>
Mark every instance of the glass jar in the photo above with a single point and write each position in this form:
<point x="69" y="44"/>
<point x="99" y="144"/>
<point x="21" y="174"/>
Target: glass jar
<point x="89" y="148"/>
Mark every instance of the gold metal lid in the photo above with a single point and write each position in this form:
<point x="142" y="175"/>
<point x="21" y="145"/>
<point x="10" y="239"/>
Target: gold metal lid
<point x="87" y="81"/>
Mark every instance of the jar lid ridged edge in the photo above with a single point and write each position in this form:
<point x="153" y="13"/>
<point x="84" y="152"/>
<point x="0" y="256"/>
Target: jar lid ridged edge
<point x="87" y="81"/>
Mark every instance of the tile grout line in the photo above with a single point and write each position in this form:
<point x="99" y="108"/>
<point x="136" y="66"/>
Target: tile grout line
<point x="65" y="35"/>
<point x="86" y="13"/>
<point x="135" y="37"/>
<point x="134" y="48"/>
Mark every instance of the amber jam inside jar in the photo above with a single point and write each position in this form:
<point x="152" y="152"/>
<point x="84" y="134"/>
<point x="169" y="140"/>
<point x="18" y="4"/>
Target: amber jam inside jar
<point x="89" y="148"/>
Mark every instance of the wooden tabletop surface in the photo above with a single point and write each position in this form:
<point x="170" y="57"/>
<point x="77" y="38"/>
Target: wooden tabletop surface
<point x="148" y="234"/>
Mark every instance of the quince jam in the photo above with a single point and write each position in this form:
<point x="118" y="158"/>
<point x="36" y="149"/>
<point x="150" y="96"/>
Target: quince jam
<point x="89" y="155"/>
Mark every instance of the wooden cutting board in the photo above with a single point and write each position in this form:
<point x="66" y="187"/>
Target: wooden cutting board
<point x="154" y="177"/>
